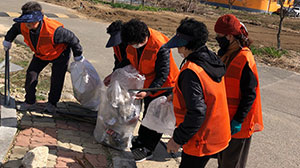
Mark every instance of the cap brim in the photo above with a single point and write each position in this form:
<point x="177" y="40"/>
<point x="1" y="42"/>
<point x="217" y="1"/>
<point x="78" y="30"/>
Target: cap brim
<point x="30" y="17"/>
<point x="177" y="41"/>
<point x="114" y="40"/>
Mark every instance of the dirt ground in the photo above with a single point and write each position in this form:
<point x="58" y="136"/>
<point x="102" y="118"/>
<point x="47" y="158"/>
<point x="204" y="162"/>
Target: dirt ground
<point x="262" y="28"/>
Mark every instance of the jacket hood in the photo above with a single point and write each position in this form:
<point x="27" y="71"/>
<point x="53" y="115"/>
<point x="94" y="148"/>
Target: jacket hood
<point x="209" y="61"/>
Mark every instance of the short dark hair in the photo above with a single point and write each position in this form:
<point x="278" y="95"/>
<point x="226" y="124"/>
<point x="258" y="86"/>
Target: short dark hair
<point x="114" y="26"/>
<point x="30" y="7"/>
<point x="196" y="29"/>
<point x="134" y="31"/>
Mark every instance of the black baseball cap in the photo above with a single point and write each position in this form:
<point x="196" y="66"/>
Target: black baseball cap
<point x="179" y="40"/>
<point x="114" y="40"/>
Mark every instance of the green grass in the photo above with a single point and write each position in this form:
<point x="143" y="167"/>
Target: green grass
<point x="268" y="51"/>
<point x="133" y="7"/>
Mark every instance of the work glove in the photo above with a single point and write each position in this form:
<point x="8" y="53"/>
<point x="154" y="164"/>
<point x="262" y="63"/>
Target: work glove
<point x="6" y="45"/>
<point x="235" y="127"/>
<point x="78" y="58"/>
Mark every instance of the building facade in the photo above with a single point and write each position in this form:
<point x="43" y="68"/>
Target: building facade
<point x="266" y="6"/>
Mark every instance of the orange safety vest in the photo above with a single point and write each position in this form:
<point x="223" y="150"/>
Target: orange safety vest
<point x="45" y="48"/>
<point x="117" y="52"/>
<point x="253" y="122"/>
<point x="146" y="65"/>
<point x="214" y="134"/>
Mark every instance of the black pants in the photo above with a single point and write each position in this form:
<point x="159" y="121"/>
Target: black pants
<point x="147" y="137"/>
<point x="235" y="155"/>
<point x="189" y="161"/>
<point x="59" y="68"/>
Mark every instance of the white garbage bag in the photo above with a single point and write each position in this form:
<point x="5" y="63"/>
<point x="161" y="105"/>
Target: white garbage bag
<point x="119" y="110"/>
<point x="86" y="84"/>
<point x="160" y="116"/>
<point x="128" y="77"/>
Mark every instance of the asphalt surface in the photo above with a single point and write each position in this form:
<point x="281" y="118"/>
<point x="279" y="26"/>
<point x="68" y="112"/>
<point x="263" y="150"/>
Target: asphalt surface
<point x="277" y="146"/>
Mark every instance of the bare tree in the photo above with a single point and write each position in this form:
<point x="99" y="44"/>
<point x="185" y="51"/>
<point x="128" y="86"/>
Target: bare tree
<point x="284" y="11"/>
<point x="189" y="5"/>
<point x="230" y="3"/>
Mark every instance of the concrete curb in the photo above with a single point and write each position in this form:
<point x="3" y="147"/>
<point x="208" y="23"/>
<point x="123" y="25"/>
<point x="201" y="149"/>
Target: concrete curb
<point x="8" y="127"/>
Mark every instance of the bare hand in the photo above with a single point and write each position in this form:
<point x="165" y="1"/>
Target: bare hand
<point x="172" y="146"/>
<point x="142" y="95"/>
<point x="107" y="80"/>
<point x="170" y="98"/>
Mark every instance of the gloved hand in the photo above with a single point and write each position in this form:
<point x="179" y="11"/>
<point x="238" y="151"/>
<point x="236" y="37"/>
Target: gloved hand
<point x="6" y="45"/>
<point x="79" y="58"/>
<point x="235" y="127"/>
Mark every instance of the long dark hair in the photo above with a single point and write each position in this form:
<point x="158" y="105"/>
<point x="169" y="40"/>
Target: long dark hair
<point x="244" y="41"/>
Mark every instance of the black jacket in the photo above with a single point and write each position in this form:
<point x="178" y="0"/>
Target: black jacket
<point x="120" y="64"/>
<point x="61" y="35"/>
<point x="191" y="88"/>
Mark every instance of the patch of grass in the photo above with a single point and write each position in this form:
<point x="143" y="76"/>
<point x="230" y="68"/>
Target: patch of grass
<point x="268" y="51"/>
<point x="22" y="63"/>
<point x="40" y="97"/>
<point x="133" y="7"/>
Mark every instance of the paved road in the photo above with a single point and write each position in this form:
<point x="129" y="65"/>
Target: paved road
<point x="278" y="146"/>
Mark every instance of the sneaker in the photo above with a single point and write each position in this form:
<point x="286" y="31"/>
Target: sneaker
<point x="50" y="108"/>
<point x="25" y="107"/>
<point x="136" y="143"/>
<point x="141" y="154"/>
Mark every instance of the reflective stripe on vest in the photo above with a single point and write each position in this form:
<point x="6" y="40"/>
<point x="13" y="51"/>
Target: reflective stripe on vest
<point x="45" y="48"/>
<point x="146" y="65"/>
<point x="117" y="52"/>
<point x="214" y="134"/>
<point x="253" y="122"/>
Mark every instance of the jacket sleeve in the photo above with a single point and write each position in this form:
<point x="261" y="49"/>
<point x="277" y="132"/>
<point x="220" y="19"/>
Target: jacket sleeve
<point x="13" y="32"/>
<point x="162" y="68"/>
<point x="191" y="89"/>
<point x="122" y="64"/>
<point x="248" y="84"/>
<point x="62" y="35"/>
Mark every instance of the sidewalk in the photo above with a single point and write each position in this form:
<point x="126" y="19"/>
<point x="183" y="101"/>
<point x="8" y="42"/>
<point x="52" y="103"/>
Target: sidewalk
<point x="70" y="141"/>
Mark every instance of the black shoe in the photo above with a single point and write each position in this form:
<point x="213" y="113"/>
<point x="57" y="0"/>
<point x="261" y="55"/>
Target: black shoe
<point x="141" y="154"/>
<point x="136" y="144"/>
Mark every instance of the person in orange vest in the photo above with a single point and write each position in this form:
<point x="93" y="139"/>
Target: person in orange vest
<point x="51" y="43"/>
<point x="242" y="90"/>
<point x="146" y="54"/>
<point x="199" y="98"/>
<point x="115" y="41"/>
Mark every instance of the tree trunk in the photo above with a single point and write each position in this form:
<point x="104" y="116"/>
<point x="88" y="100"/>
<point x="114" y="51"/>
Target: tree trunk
<point x="143" y="2"/>
<point x="189" y="5"/>
<point x="278" y="34"/>
<point x="281" y="15"/>
<point x="112" y="1"/>
<point x="131" y="1"/>
<point x="230" y="3"/>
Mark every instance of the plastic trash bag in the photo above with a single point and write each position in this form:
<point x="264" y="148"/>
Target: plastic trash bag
<point x="128" y="77"/>
<point x="86" y="84"/>
<point x="160" y="116"/>
<point x="119" y="110"/>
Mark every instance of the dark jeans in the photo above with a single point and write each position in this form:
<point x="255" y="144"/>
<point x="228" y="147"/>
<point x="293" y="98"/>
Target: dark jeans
<point x="235" y="155"/>
<point x="189" y="161"/>
<point x="147" y="137"/>
<point x="59" y="68"/>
